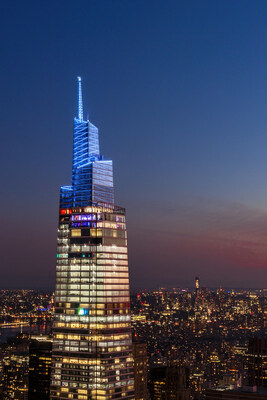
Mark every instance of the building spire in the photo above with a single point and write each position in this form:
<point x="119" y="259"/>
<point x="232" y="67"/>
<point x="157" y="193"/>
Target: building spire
<point x="80" y="99"/>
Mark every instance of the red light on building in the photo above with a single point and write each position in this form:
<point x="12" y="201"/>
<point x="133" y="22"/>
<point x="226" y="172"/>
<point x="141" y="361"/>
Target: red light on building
<point x="64" y="211"/>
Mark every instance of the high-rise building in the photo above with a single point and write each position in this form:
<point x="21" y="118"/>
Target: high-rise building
<point x="40" y="355"/>
<point x="140" y="370"/>
<point x="15" y="377"/>
<point x="197" y="284"/>
<point x="169" y="383"/>
<point x="92" y="345"/>
<point x="257" y="362"/>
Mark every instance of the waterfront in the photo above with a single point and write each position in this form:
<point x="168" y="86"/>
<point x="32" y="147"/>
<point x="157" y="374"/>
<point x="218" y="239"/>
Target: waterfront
<point x="10" y="332"/>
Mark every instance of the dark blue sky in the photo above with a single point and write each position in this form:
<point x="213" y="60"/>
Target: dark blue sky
<point x="179" y="93"/>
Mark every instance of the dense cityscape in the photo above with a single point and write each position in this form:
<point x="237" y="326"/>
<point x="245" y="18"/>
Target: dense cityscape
<point x="208" y="338"/>
<point x="94" y="340"/>
<point x="173" y="92"/>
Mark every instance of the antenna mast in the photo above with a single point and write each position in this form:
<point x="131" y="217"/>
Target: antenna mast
<point x="80" y="99"/>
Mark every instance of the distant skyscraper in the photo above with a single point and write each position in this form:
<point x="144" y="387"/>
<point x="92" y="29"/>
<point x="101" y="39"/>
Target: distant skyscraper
<point x="40" y="354"/>
<point x="197" y="285"/>
<point x="92" y="346"/>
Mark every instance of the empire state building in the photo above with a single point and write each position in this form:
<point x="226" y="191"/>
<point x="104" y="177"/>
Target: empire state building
<point x="92" y="345"/>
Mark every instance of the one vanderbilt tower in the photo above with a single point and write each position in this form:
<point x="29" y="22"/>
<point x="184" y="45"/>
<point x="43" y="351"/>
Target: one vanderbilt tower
<point x="92" y="348"/>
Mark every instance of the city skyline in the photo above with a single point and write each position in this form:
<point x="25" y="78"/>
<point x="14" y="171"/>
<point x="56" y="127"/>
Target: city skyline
<point x="134" y="200"/>
<point x="179" y="94"/>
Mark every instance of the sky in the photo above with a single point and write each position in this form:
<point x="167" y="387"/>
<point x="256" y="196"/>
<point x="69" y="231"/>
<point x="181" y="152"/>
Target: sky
<point x="178" y="90"/>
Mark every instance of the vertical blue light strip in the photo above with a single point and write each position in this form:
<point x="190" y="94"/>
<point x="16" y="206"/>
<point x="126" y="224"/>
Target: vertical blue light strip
<point x="80" y="99"/>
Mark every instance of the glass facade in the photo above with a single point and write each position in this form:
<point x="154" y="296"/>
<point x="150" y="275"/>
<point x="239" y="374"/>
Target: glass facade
<point x="92" y="346"/>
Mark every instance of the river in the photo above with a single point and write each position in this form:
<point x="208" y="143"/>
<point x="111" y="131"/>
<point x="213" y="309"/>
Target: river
<point x="9" y="332"/>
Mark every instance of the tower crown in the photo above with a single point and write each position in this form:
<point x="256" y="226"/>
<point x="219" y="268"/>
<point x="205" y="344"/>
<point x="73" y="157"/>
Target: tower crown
<point x="92" y="176"/>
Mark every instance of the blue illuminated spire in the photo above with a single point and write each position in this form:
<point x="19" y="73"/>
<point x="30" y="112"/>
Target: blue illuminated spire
<point x="80" y="99"/>
<point x="92" y="176"/>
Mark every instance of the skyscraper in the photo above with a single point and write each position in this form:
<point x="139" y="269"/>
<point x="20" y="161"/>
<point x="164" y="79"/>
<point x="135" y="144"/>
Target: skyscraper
<point x="39" y="367"/>
<point x="15" y="377"/>
<point x="257" y="362"/>
<point x="92" y="347"/>
<point x="169" y="383"/>
<point x="197" y="285"/>
<point x="140" y="370"/>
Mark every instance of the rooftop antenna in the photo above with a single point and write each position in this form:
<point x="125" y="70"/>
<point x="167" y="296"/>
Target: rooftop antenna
<point x="80" y="99"/>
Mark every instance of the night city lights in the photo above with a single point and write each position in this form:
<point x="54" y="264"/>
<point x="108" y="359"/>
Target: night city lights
<point x="143" y="276"/>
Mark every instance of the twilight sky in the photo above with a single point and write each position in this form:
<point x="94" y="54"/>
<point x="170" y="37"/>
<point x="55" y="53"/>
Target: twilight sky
<point x="178" y="90"/>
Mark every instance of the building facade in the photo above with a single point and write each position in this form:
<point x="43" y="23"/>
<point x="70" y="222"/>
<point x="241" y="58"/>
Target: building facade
<point x="92" y="346"/>
<point x="257" y="362"/>
<point x="15" y="377"/>
<point x="40" y="355"/>
<point x="140" y="370"/>
<point x="169" y="383"/>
